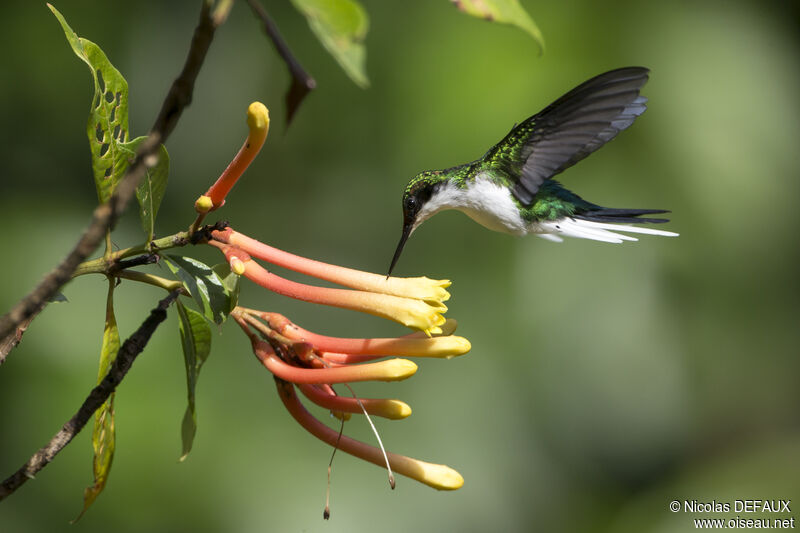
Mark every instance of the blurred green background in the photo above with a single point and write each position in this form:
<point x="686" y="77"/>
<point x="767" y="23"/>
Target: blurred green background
<point x="604" y="380"/>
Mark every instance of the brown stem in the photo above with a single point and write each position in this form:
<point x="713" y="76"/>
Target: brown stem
<point x="13" y="339"/>
<point x="180" y="94"/>
<point x="128" y="352"/>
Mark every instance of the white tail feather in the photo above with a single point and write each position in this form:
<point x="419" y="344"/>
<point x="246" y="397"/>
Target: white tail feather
<point x="629" y="229"/>
<point x="550" y="237"/>
<point x="596" y="231"/>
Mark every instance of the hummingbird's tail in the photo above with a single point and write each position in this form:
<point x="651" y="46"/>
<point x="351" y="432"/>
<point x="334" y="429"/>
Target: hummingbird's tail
<point x="605" y="225"/>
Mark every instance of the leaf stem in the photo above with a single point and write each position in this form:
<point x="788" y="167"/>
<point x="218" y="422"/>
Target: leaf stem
<point x="168" y="285"/>
<point x="101" y="265"/>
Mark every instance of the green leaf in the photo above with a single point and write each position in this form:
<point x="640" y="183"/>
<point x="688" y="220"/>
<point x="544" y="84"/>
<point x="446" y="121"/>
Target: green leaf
<point x="204" y="285"/>
<point x="341" y="26"/>
<point x="229" y="280"/>
<point x="150" y="191"/>
<point x="107" y="128"/>
<point x="103" y="434"/>
<point x="196" y="342"/>
<point x="504" y="11"/>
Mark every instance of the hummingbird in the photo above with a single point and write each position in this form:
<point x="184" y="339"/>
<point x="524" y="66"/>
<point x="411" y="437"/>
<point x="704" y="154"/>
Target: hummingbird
<point x="511" y="188"/>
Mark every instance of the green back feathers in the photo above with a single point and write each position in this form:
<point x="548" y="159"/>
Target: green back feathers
<point x="507" y="155"/>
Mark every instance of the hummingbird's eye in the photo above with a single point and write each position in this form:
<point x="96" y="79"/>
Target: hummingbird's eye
<point x="411" y="203"/>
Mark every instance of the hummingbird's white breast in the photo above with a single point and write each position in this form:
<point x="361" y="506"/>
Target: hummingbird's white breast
<point x="484" y="201"/>
<point x="492" y="206"/>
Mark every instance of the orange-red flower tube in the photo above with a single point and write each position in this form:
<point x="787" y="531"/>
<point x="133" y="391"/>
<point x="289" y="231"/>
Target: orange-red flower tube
<point x="440" y="477"/>
<point x="391" y="370"/>
<point x="422" y="288"/>
<point x="258" y="125"/>
<point x="425" y="316"/>
<point x="324" y="396"/>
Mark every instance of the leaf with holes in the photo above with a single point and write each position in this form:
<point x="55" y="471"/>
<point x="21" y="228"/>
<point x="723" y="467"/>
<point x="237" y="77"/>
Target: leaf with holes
<point x="103" y="434"/>
<point x="341" y="26"/>
<point x="151" y="189"/>
<point x="205" y="286"/>
<point x="108" y="119"/>
<point x="504" y="11"/>
<point x="196" y="342"/>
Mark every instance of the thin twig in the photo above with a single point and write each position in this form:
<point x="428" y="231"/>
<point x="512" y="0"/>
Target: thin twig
<point x="13" y="339"/>
<point x="131" y="348"/>
<point x="105" y="215"/>
<point x="302" y="82"/>
<point x="180" y="94"/>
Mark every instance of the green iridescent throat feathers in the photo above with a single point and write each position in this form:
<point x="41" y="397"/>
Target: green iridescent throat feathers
<point x="510" y="189"/>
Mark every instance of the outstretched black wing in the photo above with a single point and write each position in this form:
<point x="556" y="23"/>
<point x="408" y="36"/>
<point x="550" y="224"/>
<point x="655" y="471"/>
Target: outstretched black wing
<point x="570" y="129"/>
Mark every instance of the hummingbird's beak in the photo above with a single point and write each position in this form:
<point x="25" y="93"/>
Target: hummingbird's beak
<point x="407" y="227"/>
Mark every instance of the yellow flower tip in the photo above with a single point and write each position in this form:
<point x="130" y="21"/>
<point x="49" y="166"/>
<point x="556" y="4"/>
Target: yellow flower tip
<point x="439" y="288"/>
<point x="344" y="417"/>
<point x="414" y="314"/>
<point x="448" y="328"/>
<point x="204" y="204"/>
<point x="440" y="477"/>
<point x="452" y="346"/>
<point x="396" y="370"/>
<point x="420" y="288"/>
<point x="436" y="289"/>
<point x="237" y="265"/>
<point x="258" y="118"/>
<point x="393" y="409"/>
<point x="437" y="306"/>
<point x="434" y="328"/>
<point x="463" y="344"/>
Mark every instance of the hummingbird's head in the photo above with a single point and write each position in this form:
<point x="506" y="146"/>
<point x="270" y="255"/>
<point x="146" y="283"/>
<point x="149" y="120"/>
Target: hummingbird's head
<point x="415" y="202"/>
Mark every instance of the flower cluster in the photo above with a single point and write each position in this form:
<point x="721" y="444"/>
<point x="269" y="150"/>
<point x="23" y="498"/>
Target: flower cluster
<point x="312" y="363"/>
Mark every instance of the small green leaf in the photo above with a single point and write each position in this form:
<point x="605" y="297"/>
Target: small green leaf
<point x="504" y="11"/>
<point x="229" y="280"/>
<point x="103" y="434"/>
<point x="204" y="285"/>
<point x="341" y="26"/>
<point x="150" y="191"/>
<point x="107" y="128"/>
<point x="196" y="342"/>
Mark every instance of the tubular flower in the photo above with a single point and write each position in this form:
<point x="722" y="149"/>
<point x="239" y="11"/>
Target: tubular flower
<point x="422" y="288"/>
<point x="410" y="345"/>
<point x="423" y="314"/>
<point x="440" y="477"/>
<point x="258" y="126"/>
<point x="312" y="363"/>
